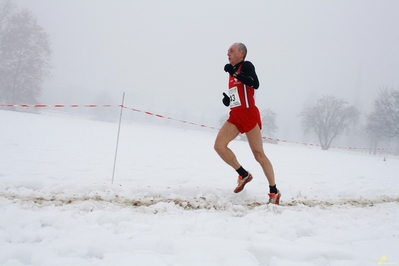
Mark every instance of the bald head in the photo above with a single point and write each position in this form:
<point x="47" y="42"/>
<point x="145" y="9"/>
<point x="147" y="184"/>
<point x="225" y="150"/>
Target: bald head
<point x="237" y="53"/>
<point x="242" y="48"/>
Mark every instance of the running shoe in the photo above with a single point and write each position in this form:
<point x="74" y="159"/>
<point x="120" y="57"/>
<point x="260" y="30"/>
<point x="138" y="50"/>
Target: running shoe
<point x="241" y="182"/>
<point x="274" y="198"/>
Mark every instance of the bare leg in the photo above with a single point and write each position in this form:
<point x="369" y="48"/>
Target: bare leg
<point x="227" y="133"/>
<point x="254" y="137"/>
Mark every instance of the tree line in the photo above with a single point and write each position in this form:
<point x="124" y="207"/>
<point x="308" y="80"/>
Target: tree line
<point x="331" y="117"/>
<point x="24" y="55"/>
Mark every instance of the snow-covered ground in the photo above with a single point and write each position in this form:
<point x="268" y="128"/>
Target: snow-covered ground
<point x="172" y="200"/>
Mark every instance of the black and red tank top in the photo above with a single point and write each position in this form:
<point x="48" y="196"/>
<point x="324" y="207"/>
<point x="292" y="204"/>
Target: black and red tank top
<point x="241" y="95"/>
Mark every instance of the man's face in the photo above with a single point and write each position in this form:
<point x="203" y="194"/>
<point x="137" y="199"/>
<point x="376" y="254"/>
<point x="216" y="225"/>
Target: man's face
<point x="235" y="56"/>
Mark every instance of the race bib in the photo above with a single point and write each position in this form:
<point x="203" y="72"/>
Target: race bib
<point x="234" y="97"/>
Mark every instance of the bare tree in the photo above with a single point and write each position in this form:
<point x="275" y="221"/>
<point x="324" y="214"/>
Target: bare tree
<point x="6" y="8"/>
<point x="24" y="55"/>
<point x="269" y="125"/>
<point x="383" y="122"/>
<point x="328" y="118"/>
<point x="386" y="113"/>
<point x="373" y="132"/>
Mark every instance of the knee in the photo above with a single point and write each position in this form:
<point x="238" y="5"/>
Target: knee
<point x="219" y="147"/>
<point x="260" y="157"/>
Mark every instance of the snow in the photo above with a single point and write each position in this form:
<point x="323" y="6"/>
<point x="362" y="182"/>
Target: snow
<point x="171" y="202"/>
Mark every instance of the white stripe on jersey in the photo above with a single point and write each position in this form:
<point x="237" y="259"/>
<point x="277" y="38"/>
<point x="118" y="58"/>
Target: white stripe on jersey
<point x="246" y="96"/>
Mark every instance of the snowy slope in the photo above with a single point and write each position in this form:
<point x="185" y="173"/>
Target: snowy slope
<point x="172" y="203"/>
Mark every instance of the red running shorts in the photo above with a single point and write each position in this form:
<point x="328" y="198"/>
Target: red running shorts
<point x="245" y="119"/>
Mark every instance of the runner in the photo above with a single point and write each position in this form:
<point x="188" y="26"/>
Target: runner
<point x="244" y="118"/>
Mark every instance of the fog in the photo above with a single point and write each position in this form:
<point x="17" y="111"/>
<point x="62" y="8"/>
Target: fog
<point x="168" y="56"/>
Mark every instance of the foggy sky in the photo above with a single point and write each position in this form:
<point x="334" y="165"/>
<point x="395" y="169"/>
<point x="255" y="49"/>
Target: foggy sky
<point x="169" y="55"/>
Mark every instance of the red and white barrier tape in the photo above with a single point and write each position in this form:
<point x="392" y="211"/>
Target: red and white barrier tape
<point x="170" y="118"/>
<point x="318" y="145"/>
<point x="57" y="105"/>
<point x="173" y="119"/>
